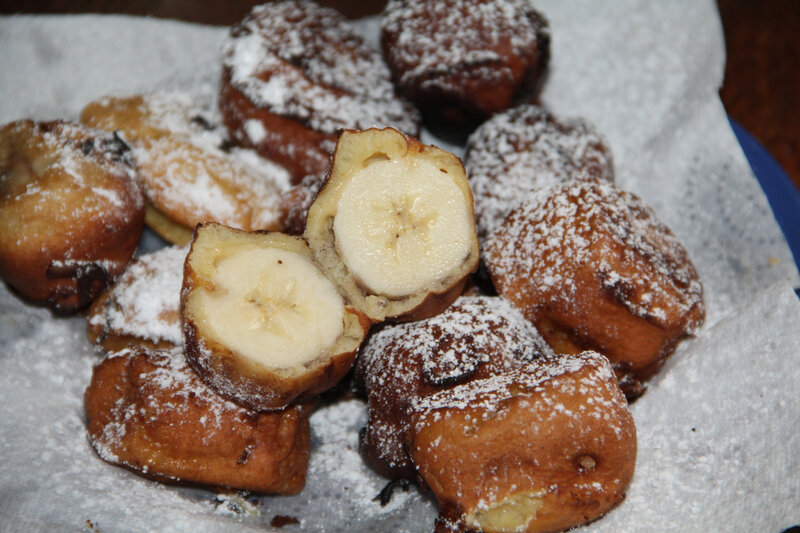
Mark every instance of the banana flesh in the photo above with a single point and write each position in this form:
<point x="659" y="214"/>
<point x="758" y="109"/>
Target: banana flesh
<point x="272" y="306"/>
<point x="401" y="224"/>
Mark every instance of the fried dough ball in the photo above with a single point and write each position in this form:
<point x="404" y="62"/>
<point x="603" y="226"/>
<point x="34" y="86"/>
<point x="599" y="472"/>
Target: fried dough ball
<point x="525" y="148"/>
<point x="149" y="412"/>
<point x="143" y="306"/>
<point x="461" y="61"/>
<point x="508" y="436"/>
<point x="393" y="225"/>
<point x="294" y="74"/>
<point x="593" y="268"/>
<point x="262" y="324"/>
<point x="539" y="448"/>
<point x="475" y="337"/>
<point x="190" y="171"/>
<point x="71" y="211"/>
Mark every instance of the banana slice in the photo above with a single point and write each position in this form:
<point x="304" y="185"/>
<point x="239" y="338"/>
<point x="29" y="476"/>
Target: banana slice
<point x="262" y="324"/>
<point x="393" y="225"/>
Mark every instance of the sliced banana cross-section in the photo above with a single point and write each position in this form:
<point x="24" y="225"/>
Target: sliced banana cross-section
<point x="394" y="225"/>
<point x="262" y="324"/>
<point x="399" y="212"/>
<point x="272" y="306"/>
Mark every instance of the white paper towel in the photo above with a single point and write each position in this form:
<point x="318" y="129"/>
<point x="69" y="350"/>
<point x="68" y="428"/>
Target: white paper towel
<point x="719" y="449"/>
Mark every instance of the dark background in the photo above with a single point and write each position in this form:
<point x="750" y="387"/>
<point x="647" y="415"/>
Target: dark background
<point x="762" y="74"/>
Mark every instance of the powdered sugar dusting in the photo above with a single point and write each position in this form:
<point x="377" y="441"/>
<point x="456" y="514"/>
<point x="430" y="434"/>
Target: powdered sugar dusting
<point x="528" y="148"/>
<point x="42" y="461"/>
<point x="614" y="62"/>
<point x="77" y="176"/>
<point x="465" y="35"/>
<point x="169" y="113"/>
<point x="145" y="302"/>
<point x="336" y="453"/>
<point x="524" y="431"/>
<point x="170" y="390"/>
<point x="305" y="62"/>
<point x="255" y="130"/>
<point x="486" y="394"/>
<point x="556" y="232"/>
<point x="473" y="331"/>
<point x="71" y="211"/>
<point x="190" y="171"/>
<point x="477" y="335"/>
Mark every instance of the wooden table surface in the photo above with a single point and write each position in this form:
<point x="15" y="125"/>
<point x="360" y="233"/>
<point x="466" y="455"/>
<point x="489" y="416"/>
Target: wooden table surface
<point x="762" y="74"/>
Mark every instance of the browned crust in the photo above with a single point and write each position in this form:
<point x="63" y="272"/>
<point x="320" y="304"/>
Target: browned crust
<point x="638" y="354"/>
<point x="67" y="270"/>
<point x="288" y="142"/>
<point x="265" y="453"/>
<point x="434" y="303"/>
<point x="295" y="202"/>
<point x="492" y="453"/>
<point x="598" y="314"/>
<point x="66" y="289"/>
<point x="461" y="93"/>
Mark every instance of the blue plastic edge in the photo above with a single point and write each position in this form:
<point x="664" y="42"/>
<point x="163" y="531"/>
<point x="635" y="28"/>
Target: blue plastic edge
<point x="782" y="194"/>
